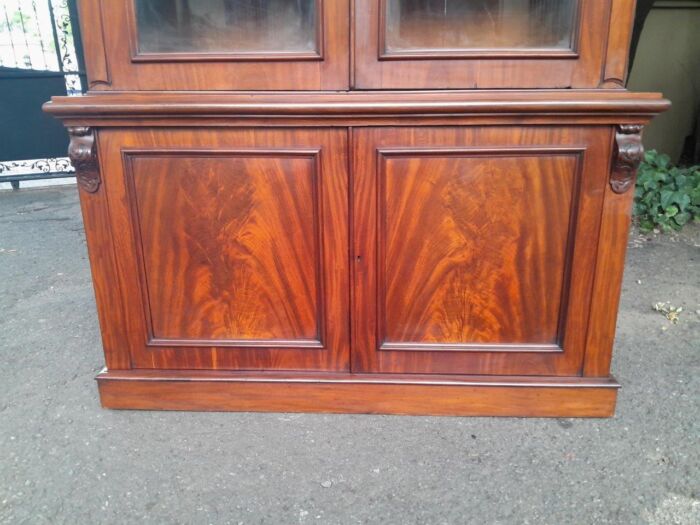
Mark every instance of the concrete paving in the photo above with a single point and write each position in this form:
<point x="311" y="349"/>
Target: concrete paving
<point x="63" y="459"/>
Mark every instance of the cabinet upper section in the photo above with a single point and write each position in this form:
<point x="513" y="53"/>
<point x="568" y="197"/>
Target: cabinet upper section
<point x="246" y="45"/>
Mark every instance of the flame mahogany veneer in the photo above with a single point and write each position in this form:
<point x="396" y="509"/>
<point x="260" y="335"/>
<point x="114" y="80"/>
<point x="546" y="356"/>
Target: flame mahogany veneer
<point x="286" y="233"/>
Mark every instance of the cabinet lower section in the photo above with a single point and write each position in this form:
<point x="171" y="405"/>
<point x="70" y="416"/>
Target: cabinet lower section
<point x="517" y="396"/>
<point x="453" y="254"/>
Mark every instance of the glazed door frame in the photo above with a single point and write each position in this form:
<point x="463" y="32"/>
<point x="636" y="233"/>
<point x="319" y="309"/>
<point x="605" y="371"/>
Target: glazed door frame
<point x="587" y="149"/>
<point x="114" y="61"/>
<point x="582" y="66"/>
<point x="256" y="217"/>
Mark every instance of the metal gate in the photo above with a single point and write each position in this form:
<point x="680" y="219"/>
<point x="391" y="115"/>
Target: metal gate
<point x="40" y="56"/>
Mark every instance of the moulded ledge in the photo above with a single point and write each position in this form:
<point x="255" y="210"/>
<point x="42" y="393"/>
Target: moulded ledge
<point x="357" y="103"/>
<point x="520" y="396"/>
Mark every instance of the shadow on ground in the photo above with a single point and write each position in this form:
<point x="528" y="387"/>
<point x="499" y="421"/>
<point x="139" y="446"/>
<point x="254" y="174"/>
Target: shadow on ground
<point x="66" y="460"/>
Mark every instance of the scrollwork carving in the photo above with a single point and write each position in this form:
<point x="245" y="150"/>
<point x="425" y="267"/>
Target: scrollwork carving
<point x="629" y="153"/>
<point x="83" y="156"/>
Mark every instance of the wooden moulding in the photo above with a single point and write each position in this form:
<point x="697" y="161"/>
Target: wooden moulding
<point x="355" y="108"/>
<point x="358" y="393"/>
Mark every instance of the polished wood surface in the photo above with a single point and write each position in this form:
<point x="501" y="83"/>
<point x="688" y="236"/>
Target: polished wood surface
<point x="230" y="243"/>
<point x="376" y="213"/>
<point x="616" y="57"/>
<point x="612" y="247"/>
<point x="114" y="61"/>
<point x="575" y="106"/>
<point x="350" y="393"/>
<point x="472" y="248"/>
<point x="462" y="261"/>
<point x="449" y="28"/>
<point x="597" y="57"/>
<point x="580" y="67"/>
<point x="233" y="246"/>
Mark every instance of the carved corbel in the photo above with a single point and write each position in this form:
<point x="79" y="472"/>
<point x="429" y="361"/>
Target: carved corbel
<point x="629" y="153"/>
<point x="83" y="156"/>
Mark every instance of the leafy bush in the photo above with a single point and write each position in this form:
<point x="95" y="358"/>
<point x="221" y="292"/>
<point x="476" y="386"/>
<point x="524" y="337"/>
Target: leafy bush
<point x="666" y="197"/>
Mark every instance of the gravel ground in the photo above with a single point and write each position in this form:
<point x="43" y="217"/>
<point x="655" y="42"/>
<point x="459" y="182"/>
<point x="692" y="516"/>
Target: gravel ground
<point x="66" y="460"/>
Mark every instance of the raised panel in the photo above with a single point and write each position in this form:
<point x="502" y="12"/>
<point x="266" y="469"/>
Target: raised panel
<point x="230" y="245"/>
<point x="474" y="248"/>
<point x="463" y="263"/>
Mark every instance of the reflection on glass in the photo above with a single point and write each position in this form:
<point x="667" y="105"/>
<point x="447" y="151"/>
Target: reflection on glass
<point x="226" y="26"/>
<point x="454" y="25"/>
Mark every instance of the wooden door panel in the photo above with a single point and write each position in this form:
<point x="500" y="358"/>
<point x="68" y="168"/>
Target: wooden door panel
<point x="463" y="263"/>
<point x="215" y="229"/>
<point x="215" y="49"/>
<point x="488" y="64"/>
<point x="234" y="246"/>
<point x="471" y="248"/>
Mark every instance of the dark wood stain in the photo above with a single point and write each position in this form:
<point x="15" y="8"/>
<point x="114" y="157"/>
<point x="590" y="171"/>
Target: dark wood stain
<point x="355" y="229"/>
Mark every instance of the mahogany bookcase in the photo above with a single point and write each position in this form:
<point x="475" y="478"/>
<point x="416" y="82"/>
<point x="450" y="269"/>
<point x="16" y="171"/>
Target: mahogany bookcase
<point x="368" y="206"/>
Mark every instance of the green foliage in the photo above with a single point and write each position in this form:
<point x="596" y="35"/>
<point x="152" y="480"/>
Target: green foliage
<point x="667" y="197"/>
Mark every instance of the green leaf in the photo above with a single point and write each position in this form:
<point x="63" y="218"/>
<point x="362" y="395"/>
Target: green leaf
<point x="681" y="218"/>
<point x="666" y="198"/>
<point x="646" y="225"/>
<point x="681" y="199"/>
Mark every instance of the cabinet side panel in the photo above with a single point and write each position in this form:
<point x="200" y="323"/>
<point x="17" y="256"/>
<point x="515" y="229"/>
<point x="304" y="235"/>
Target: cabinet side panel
<point x="612" y="247"/>
<point x="108" y="296"/>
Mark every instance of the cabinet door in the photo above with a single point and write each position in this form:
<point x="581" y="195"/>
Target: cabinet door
<point x="474" y="248"/>
<point x="416" y="44"/>
<point x="231" y="247"/>
<point x="216" y="44"/>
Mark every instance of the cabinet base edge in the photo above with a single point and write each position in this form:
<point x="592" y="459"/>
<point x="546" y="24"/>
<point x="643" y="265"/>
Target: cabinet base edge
<point x="358" y="393"/>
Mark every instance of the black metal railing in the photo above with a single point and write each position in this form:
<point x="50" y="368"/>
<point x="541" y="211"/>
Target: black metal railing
<point x="39" y="42"/>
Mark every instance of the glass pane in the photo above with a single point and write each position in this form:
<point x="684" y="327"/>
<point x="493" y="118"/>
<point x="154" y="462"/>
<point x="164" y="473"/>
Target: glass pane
<point x="454" y="25"/>
<point x="226" y="26"/>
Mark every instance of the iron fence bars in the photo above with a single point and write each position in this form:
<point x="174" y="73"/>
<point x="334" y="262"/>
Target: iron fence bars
<point x="39" y="43"/>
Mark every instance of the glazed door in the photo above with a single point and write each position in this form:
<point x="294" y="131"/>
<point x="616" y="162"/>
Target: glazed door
<point x="474" y="248"/>
<point x="231" y="247"/>
<point x="466" y="44"/>
<point x="217" y="44"/>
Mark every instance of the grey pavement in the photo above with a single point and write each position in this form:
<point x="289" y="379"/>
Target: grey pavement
<point x="63" y="459"/>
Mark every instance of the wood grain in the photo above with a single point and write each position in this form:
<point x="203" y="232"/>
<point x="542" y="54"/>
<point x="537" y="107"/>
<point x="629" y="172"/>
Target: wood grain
<point x="476" y="248"/>
<point x="617" y="53"/>
<point x="610" y="263"/>
<point x="563" y="106"/>
<point x="462" y="260"/>
<point x="111" y="310"/>
<point x="326" y="231"/>
<point x="233" y="246"/>
<point x="380" y="394"/>
<point x="526" y="70"/>
<point x="92" y="29"/>
<point x="214" y="72"/>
